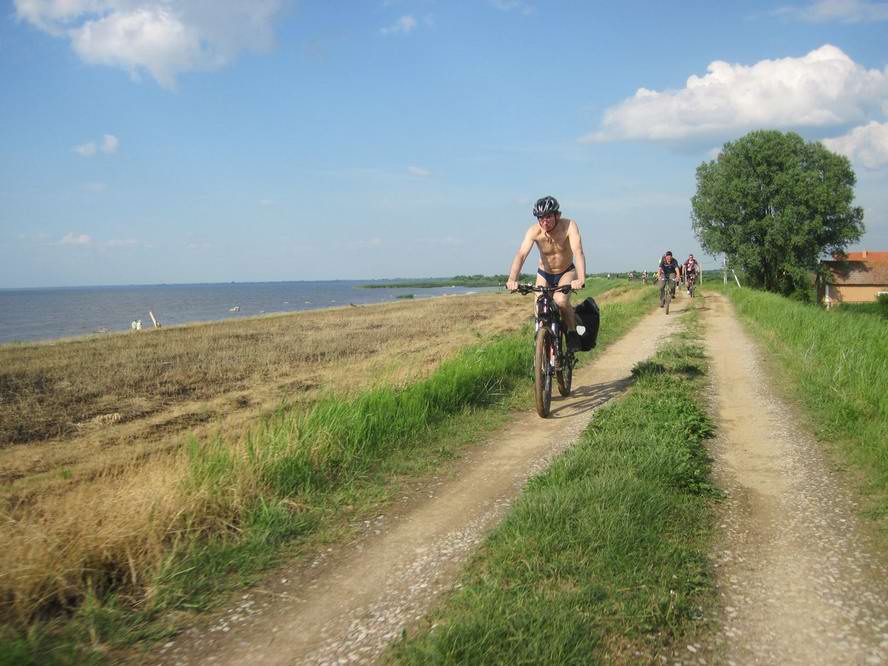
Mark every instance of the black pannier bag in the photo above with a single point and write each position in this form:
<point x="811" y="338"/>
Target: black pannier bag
<point x="589" y="317"/>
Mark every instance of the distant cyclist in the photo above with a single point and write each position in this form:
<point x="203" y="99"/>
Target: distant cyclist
<point x="691" y="272"/>
<point x="562" y="261"/>
<point x="666" y="271"/>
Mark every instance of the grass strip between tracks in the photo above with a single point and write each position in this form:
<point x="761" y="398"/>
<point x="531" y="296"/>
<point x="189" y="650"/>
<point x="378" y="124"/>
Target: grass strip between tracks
<point x="837" y="366"/>
<point x="603" y="557"/>
<point x="297" y="480"/>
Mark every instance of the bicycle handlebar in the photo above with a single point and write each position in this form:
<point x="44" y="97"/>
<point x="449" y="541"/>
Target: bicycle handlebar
<point x="528" y="288"/>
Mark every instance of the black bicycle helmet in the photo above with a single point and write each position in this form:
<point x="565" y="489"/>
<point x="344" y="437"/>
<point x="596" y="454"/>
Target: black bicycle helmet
<point x="545" y="206"/>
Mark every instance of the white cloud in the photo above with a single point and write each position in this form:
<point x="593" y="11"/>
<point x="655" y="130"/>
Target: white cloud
<point x="404" y="24"/>
<point x="371" y="243"/>
<point x="52" y="15"/>
<point x="86" y="149"/>
<point x="110" y="143"/>
<point x="823" y="88"/>
<point x="866" y="145"/>
<point x="419" y="171"/>
<point x="109" y="146"/>
<point x="76" y="239"/>
<point x="512" y="5"/>
<point x="85" y="240"/>
<point x="446" y="241"/>
<point x="844" y="11"/>
<point x="162" y="37"/>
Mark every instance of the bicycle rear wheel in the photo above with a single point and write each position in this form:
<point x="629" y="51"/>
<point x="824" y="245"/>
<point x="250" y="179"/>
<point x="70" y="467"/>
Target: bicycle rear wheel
<point x="542" y="372"/>
<point x="565" y="374"/>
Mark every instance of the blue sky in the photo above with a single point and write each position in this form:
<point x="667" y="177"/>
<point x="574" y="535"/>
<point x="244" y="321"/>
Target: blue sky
<point x="148" y="141"/>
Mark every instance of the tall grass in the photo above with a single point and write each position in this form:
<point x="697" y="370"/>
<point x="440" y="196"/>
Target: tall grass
<point x="221" y="511"/>
<point x="603" y="558"/>
<point x="838" y="365"/>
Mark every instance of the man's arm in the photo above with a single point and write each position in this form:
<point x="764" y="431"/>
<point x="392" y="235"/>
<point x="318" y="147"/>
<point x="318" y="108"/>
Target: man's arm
<point x="576" y="246"/>
<point x="518" y="261"/>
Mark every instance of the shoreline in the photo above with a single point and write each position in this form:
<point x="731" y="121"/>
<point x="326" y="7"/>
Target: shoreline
<point x="240" y="317"/>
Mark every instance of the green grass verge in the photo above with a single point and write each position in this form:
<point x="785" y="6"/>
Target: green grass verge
<point x="836" y="363"/>
<point x="318" y="471"/>
<point x="874" y="309"/>
<point x="604" y="556"/>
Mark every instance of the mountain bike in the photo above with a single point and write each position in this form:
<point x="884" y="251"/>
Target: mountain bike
<point x="668" y="291"/>
<point x="552" y="356"/>
<point x="692" y="284"/>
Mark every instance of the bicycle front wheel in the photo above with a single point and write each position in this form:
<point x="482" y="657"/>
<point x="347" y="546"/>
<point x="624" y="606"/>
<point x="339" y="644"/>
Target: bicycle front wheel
<point x="542" y="371"/>
<point x="668" y="298"/>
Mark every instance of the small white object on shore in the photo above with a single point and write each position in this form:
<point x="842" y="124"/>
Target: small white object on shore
<point x="236" y="308"/>
<point x="136" y="325"/>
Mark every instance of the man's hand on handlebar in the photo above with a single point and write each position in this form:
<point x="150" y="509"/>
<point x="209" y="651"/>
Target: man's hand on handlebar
<point x="577" y="284"/>
<point x="529" y="288"/>
<point x="512" y="285"/>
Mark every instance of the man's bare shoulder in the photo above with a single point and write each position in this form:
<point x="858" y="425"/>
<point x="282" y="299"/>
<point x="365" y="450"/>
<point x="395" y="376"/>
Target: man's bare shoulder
<point x="534" y="231"/>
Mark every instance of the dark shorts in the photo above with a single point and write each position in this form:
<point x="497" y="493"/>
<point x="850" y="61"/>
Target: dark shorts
<point x="552" y="279"/>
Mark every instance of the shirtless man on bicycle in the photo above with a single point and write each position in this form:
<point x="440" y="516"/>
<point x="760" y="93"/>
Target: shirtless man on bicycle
<point x="562" y="261"/>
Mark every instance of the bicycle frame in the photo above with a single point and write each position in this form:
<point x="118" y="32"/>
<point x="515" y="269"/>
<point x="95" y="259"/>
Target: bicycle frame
<point x="667" y="290"/>
<point x="547" y="313"/>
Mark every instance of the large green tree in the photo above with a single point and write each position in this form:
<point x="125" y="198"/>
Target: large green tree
<point x="774" y="205"/>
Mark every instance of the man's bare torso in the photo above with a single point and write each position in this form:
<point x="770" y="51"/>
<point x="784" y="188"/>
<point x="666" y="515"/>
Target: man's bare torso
<point x="556" y="254"/>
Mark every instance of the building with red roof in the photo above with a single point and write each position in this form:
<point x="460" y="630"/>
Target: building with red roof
<point x="856" y="277"/>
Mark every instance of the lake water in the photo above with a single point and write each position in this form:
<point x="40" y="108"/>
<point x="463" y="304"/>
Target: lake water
<point x="45" y="314"/>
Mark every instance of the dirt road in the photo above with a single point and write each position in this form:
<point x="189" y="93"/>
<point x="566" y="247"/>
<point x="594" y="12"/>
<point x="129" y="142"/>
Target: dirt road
<point x="799" y="581"/>
<point x="347" y="606"/>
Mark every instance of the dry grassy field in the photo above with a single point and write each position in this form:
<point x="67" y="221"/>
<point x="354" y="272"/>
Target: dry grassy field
<point x="94" y="431"/>
<point x="78" y="408"/>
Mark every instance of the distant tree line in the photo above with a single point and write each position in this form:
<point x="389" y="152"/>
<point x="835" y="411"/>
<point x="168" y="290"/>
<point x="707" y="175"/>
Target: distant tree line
<point x="457" y="281"/>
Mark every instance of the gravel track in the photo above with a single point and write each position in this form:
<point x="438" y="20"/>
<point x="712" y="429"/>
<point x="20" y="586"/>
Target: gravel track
<point x="799" y="579"/>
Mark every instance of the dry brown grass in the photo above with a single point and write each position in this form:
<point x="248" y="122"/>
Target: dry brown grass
<point x="80" y="407"/>
<point x="79" y="495"/>
<point x="81" y="418"/>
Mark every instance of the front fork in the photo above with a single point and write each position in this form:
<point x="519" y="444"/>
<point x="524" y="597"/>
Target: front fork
<point x="556" y="348"/>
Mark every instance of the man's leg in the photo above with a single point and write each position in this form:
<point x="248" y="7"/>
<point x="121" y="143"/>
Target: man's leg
<point x="540" y="282"/>
<point x="563" y="301"/>
<point x="567" y="312"/>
